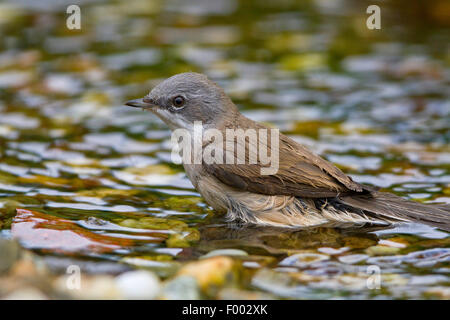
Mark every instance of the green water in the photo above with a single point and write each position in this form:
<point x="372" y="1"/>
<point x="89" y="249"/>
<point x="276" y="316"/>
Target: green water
<point x="94" y="180"/>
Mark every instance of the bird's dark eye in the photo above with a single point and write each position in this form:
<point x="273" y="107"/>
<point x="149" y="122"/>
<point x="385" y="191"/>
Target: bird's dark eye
<point x="178" y="101"/>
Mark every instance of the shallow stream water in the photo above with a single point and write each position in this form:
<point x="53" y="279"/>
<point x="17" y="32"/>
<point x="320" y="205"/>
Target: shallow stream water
<point x="84" y="177"/>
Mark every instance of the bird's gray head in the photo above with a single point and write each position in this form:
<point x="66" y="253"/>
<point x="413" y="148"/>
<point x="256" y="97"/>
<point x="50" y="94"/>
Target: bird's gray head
<point x="187" y="97"/>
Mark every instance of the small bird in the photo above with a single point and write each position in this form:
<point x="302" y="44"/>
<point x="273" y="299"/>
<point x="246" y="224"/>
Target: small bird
<point x="306" y="190"/>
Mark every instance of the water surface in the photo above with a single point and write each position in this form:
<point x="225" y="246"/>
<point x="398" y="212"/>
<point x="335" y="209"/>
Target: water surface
<point x="93" y="179"/>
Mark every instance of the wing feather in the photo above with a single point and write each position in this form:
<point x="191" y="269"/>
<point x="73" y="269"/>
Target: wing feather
<point x="300" y="172"/>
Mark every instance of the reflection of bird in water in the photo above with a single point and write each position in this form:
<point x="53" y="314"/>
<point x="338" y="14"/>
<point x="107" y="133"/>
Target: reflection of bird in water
<point x="273" y="240"/>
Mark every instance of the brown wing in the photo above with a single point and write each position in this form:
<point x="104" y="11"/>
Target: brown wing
<point x="301" y="173"/>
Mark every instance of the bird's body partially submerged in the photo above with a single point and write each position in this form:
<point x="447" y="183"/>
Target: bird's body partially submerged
<point x="305" y="190"/>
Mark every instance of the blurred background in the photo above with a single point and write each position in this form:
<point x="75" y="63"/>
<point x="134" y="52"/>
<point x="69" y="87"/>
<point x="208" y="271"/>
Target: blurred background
<point x="94" y="180"/>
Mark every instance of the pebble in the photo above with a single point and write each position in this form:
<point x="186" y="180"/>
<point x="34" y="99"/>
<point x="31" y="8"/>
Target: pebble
<point x="224" y="252"/>
<point x="9" y="253"/>
<point x="381" y="251"/>
<point x="333" y="251"/>
<point x="353" y="258"/>
<point x="211" y="272"/>
<point x="439" y="292"/>
<point x="138" y="285"/>
<point x="303" y="259"/>
<point x="181" y="288"/>
<point x="91" y="287"/>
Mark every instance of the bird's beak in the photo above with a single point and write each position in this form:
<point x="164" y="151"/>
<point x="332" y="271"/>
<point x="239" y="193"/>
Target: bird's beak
<point x="140" y="103"/>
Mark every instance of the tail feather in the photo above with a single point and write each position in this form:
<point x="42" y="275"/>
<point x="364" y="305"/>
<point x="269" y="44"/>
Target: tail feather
<point x="390" y="207"/>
